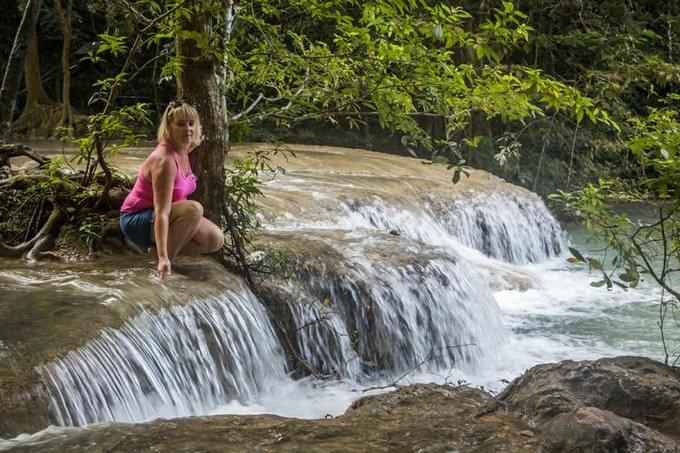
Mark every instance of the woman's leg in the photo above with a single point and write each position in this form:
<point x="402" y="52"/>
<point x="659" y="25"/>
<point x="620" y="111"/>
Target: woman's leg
<point x="208" y="238"/>
<point x="185" y="220"/>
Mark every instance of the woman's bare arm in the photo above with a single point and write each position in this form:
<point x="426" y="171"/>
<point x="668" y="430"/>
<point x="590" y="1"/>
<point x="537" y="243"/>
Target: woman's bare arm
<point x="163" y="172"/>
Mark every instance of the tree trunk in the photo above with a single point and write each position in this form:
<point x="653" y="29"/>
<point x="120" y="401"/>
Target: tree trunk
<point x="197" y="85"/>
<point x="41" y="114"/>
<point x="35" y="92"/>
<point x="64" y="17"/>
<point x="15" y="65"/>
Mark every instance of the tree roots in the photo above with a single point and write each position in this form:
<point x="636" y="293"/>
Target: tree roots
<point x="41" y="242"/>
<point x="36" y="204"/>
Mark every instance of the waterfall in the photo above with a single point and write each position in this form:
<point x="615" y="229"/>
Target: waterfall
<point x="184" y="360"/>
<point x="377" y="310"/>
<point x="371" y="314"/>
<point x="319" y="332"/>
<point x="512" y="227"/>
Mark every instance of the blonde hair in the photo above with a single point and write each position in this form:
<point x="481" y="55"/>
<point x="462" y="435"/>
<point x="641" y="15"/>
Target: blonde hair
<point x="183" y="111"/>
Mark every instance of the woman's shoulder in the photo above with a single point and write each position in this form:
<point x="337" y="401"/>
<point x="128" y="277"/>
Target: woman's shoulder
<point x="161" y="158"/>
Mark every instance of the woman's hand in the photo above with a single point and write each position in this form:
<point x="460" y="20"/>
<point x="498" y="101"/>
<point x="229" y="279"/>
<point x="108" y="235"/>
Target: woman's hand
<point x="164" y="268"/>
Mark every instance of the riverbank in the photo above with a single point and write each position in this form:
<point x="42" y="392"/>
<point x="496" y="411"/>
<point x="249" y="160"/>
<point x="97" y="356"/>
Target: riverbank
<point x="620" y="404"/>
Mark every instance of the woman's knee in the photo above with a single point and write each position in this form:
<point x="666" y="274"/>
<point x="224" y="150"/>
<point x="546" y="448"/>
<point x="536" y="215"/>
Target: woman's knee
<point x="215" y="238"/>
<point x="188" y="208"/>
<point x="209" y="236"/>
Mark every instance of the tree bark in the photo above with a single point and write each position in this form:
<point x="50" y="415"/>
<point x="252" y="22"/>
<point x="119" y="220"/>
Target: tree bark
<point x="197" y="85"/>
<point x="40" y="114"/>
<point x="15" y="65"/>
<point x="64" y="16"/>
<point x="35" y="92"/>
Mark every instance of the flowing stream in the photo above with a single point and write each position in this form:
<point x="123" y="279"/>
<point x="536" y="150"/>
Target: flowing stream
<point x="405" y="278"/>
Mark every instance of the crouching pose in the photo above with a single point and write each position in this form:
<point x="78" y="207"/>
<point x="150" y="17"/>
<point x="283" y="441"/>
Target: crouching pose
<point x="157" y="212"/>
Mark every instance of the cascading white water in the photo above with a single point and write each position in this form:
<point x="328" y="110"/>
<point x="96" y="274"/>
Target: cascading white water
<point x="396" y="318"/>
<point x="515" y="229"/>
<point x="506" y="226"/>
<point x="320" y="334"/>
<point x="185" y="360"/>
<point x="375" y="317"/>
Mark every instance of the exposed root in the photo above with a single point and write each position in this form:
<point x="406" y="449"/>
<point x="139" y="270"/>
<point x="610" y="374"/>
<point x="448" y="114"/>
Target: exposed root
<point x="41" y="248"/>
<point x="23" y="181"/>
<point x="83" y="208"/>
<point x="18" y="150"/>
<point x="41" y="242"/>
<point x="110" y="234"/>
<point x="108" y="175"/>
<point x="39" y="120"/>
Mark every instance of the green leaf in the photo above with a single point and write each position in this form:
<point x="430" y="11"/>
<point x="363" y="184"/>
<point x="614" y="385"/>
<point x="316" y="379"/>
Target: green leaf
<point x="595" y="263"/>
<point x="456" y="176"/>
<point x="628" y="277"/>
<point x="577" y="254"/>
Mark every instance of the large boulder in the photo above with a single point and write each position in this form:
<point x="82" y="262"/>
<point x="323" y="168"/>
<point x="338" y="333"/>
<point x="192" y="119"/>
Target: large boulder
<point x="588" y="429"/>
<point x="637" y="388"/>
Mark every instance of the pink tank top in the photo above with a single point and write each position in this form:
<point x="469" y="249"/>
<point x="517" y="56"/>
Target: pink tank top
<point x="141" y="195"/>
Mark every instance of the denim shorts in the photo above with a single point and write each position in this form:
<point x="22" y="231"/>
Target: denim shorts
<point x="136" y="226"/>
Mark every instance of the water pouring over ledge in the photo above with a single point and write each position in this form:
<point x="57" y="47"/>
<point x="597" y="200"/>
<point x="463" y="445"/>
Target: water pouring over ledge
<point x="391" y="264"/>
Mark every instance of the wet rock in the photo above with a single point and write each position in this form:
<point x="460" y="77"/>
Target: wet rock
<point x="23" y="407"/>
<point x="51" y="309"/>
<point x="414" y="418"/>
<point x="588" y="429"/>
<point x="638" y="388"/>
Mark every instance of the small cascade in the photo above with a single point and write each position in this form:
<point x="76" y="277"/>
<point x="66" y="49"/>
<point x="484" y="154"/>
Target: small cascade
<point x="321" y="335"/>
<point x="376" y="310"/>
<point x="509" y="226"/>
<point x="513" y="227"/>
<point x="185" y="360"/>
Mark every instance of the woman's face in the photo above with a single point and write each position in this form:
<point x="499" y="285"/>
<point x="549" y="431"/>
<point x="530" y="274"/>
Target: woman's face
<point x="182" y="131"/>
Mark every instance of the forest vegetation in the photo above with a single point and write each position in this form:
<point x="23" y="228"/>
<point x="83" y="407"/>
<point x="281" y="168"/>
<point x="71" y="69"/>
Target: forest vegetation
<point x="574" y="98"/>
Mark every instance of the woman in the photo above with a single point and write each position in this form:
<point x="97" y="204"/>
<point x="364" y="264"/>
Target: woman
<point x="157" y="211"/>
